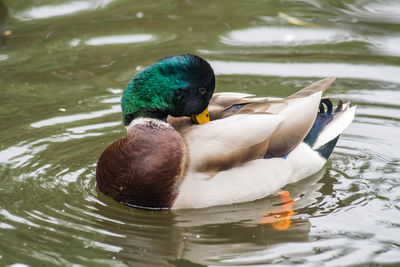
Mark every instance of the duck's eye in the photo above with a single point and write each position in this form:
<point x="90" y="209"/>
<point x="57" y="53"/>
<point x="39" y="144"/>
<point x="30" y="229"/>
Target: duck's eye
<point x="179" y="93"/>
<point x="202" y="90"/>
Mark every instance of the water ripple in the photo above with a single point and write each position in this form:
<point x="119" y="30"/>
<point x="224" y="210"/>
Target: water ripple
<point x="76" y="117"/>
<point x="279" y="36"/>
<point x="385" y="73"/>
<point x="62" y="9"/>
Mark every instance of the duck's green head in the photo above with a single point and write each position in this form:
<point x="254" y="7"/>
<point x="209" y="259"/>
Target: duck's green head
<point x="178" y="86"/>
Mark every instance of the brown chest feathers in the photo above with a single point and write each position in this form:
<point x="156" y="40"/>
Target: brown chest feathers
<point x="145" y="168"/>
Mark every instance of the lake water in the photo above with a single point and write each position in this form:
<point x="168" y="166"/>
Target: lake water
<point x="64" y="64"/>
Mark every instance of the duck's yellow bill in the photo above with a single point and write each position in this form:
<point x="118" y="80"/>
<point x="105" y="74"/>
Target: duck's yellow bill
<point x="202" y="117"/>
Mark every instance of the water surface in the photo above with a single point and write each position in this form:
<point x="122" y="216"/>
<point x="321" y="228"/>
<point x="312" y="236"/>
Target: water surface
<point x="64" y="64"/>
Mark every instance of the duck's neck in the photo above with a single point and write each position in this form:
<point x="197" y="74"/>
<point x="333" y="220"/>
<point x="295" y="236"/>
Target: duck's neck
<point x="155" y="114"/>
<point x="146" y="167"/>
<point x="148" y="121"/>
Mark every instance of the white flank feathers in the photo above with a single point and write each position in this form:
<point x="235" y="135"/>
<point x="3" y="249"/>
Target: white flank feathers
<point x="253" y="180"/>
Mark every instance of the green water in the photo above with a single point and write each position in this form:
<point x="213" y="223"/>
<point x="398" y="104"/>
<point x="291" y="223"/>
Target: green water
<point x="62" y="71"/>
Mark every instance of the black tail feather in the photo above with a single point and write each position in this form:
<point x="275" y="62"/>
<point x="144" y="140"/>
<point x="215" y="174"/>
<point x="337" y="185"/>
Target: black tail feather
<point x="324" y="116"/>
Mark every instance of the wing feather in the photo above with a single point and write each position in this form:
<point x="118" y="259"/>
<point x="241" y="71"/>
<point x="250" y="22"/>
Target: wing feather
<point x="222" y="144"/>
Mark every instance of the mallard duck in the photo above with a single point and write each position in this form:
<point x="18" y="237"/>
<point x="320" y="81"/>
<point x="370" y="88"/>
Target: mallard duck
<point x="187" y="147"/>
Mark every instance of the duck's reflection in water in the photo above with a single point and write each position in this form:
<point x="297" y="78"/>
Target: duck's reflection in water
<point x="280" y="217"/>
<point x="207" y="235"/>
